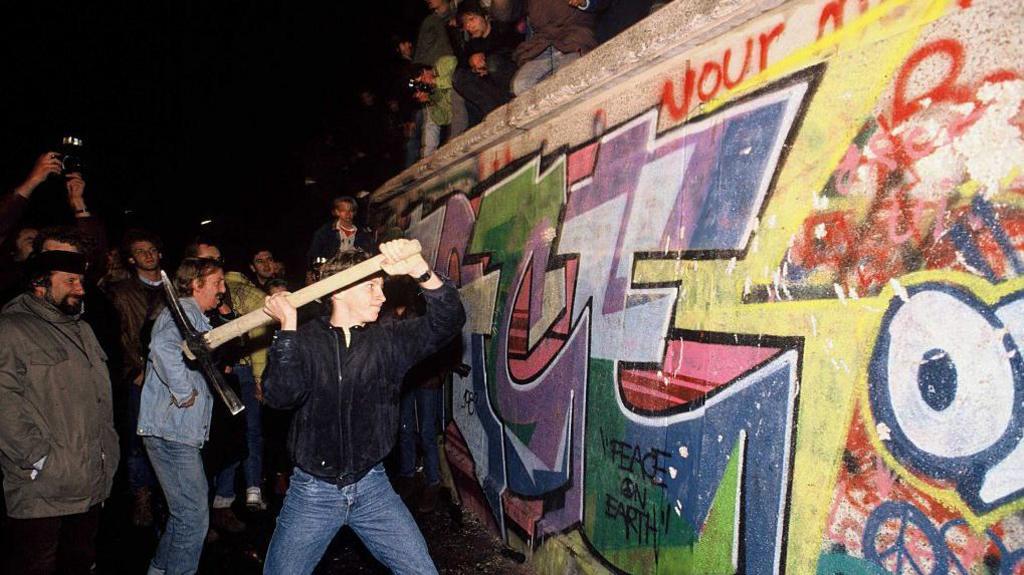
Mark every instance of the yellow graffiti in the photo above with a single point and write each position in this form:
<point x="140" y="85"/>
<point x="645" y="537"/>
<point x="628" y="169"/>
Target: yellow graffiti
<point x="863" y="58"/>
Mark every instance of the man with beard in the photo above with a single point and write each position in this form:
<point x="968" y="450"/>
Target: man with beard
<point x="138" y="299"/>
<point x="58" y="448"/>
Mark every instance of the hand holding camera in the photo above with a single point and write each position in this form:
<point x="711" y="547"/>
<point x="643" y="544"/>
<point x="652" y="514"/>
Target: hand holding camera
<point x="417" y="85"/>
<point x="478" y="63"/>
<point x="70" y="155"/>
<point x="76" y="193"/>
<point x="45" y="166"/>
<point x="423" y="85"/>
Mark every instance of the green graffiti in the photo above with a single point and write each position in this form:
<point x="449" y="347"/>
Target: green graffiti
<point x="843" y="564"/>
<point x="512" y="210"/>
<point x="631" y="521"/>
<point x="713" y="552"/>
<point x="519" y="207"/>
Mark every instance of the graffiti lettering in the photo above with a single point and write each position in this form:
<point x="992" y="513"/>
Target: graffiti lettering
<point x="639" y="524"/>
<point x="632" y="491"/>
<point x="716" y="73"/>
<point x="833" y="12"/>
<point x="627" y="369"/>
<point x="652" y="463"/>
<point x="468" y="401"/>
<point x="944" y="90"/>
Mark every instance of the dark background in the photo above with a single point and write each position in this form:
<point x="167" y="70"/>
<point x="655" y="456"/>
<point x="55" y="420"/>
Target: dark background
<point x="193" y="111"/>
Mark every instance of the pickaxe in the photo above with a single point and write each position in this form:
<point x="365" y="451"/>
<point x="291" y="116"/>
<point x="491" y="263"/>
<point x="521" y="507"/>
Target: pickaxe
<point x="199" y="346"/>
<point x="193" y="347"/>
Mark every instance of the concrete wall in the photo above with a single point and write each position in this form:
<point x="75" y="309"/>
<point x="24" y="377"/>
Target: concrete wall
<point x="745" y="295"/>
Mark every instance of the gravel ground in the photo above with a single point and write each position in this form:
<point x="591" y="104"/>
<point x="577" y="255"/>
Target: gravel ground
<point x="458" y="542"/>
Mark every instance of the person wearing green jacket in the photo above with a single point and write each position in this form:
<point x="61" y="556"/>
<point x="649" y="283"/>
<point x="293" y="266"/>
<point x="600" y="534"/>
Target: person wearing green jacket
<point x="58" y="447"/>
<point x="433" y="88"/>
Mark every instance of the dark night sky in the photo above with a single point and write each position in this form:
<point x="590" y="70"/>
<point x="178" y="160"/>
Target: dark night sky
<point x="190" y="112"/>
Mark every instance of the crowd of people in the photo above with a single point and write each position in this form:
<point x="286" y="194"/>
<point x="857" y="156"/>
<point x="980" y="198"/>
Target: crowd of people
<point x="465" y="59"/>
<point x="94" y="384"/>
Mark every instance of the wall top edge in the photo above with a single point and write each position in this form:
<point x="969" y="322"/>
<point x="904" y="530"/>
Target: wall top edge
<point x="675" y="28"/>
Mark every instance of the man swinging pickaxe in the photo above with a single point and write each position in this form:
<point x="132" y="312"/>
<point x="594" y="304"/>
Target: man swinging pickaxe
<point x="199" y="346"/>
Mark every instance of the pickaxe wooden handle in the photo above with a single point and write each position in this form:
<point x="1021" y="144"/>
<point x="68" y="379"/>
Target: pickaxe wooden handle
<point x="237" y="327"/>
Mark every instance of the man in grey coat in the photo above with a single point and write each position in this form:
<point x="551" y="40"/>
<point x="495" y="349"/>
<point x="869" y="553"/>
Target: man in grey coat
<point x="58" y="448"/>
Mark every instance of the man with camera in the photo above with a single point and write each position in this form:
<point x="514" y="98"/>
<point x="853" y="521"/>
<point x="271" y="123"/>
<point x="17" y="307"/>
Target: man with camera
<point x="432" y="87"/>
<point x="13" y="205"/>
<point x="58" y="447"/>
<point x="48" y="167"/>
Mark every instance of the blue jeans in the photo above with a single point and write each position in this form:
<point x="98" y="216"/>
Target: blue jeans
<point x="314" y="510"/>
<point x="425" y="403"/>
<point x="541" y="66"/>
<point x="430" y="135"/>
<point x="412" y="143"/>
<point x="179" y="468"/>
<point x="140" y="472"/>
<point x="225" y="481"/>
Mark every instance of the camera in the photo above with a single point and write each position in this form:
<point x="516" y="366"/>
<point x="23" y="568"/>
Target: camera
<point x="418" y="86"/>
<point x="70" y="151"/>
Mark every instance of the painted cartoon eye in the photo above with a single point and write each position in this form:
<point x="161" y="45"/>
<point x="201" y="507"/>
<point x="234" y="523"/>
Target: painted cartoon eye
<point x="947" y="374"/>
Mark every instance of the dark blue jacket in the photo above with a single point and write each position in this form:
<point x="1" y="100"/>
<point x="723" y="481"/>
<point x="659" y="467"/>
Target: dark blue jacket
<point x="346" y="398"/>
<point x="326" y="242"/>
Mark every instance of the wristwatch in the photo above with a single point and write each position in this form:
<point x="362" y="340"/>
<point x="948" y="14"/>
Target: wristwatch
<point x="425" y="276"/>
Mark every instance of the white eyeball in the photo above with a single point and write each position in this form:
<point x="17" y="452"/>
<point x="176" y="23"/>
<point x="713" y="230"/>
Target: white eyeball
<point x="948" y="375"/>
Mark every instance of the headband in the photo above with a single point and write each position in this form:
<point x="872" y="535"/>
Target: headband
<point x="56" y="261"/>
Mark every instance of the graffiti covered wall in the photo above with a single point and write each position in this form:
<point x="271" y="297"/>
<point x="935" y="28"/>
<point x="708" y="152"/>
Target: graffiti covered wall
<point x="754" y="306"/>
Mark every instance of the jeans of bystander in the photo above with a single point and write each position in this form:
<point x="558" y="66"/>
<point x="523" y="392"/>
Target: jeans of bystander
<point x="253" y="463"/>
<point x="543" y="65"/>
<point x="140" y="472"/>
<point x="179" y="468"/>
<point x="419" y="422"/>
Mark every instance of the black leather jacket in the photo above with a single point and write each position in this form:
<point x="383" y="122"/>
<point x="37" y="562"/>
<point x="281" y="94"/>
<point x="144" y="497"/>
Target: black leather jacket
<point x="346" y="398"/>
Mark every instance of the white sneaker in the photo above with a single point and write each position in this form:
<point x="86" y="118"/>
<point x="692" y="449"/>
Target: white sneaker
<point x="254" y="499"/>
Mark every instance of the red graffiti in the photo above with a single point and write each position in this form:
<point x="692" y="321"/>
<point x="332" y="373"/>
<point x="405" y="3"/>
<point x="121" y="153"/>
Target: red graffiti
<point x="906" y="219"/>
<point x="827" y="240"/>
<point x="730" y="83"/>
<point x="716" y="73"/>
<point x="833" y="12"/>
<point x="765" y="41"/>
<point x="945" y="89"/>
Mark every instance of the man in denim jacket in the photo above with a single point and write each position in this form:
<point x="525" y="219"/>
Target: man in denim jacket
<point x="342" y="374"/>
<point x="174" y="419"/>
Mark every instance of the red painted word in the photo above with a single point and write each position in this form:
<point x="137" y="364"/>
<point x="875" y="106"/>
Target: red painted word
<point x="717" y="73"/>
